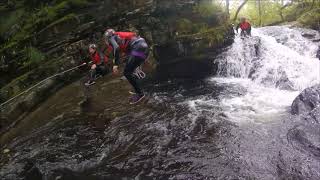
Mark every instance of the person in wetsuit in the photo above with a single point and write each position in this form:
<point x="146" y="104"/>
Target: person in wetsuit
<point x="245" y="27"/>
<point x="98" y="64"/>
<point x="136" y="49"/>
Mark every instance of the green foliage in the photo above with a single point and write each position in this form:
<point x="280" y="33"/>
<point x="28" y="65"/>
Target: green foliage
<point x="311" y="19"/>
<point x="210" y="36"/>
<point x="31" y="21"/>
<point x="34" y="56"/>
<point x="7" y="20"/>
<point x="32" y="4"/>
<point x="207" y="9"/>
<point x="269" y="12"/>
<point x="215" y="35"/>
<point x="297" y="9"/>
<point x="184" y="26"/>
<point x="61" y="20"/>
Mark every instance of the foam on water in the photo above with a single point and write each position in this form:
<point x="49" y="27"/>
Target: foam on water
<point x="259" y="104"/>
<point x="271" y="67"/>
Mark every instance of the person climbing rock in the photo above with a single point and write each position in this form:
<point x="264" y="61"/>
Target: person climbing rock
<point x="137" y="51"/>
<point x="245" y="27"/>
<point x="98" y="64"/>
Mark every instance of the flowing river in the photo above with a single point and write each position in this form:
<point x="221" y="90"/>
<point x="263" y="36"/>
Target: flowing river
<point x="233" y="125"/>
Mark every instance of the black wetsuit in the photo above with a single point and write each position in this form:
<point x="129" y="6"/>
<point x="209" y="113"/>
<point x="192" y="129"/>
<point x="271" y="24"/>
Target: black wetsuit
<point x="137" y="51"/>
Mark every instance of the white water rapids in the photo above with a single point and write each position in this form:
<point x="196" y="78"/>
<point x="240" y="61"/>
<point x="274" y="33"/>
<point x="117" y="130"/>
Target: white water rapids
<point x="235" y="125"/>
<point x="271" y="68"/>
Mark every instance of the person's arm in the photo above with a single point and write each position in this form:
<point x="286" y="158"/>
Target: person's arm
<point x="116" y="50"/>
<point x="93" y="60"/>
<point x="237" y="27"/>
<point x="101" y="56"/>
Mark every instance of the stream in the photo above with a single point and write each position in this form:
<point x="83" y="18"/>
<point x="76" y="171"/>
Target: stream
<point x="235" y="124"/>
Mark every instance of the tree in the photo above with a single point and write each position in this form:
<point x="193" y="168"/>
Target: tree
<point x="228" y="7"/>
<point x="312" y="5"/>
<point x="239" y="9"/>
<point x="259" y="9"/>
<point x="282" y="8"/>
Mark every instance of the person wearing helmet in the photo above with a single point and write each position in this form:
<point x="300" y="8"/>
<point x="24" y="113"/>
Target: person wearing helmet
<point x="245" y="27"/>
<point x="137" y="51"/>
<point x="98" y="64"/>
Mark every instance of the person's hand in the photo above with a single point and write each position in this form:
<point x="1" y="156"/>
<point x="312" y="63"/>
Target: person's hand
<point x="115" y="70"/>
<point x="93" y="66"/>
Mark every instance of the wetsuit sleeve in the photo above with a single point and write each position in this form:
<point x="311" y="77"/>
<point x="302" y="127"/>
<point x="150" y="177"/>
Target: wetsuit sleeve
<point x="101" y="56"/>
<point x="116" y="50"/>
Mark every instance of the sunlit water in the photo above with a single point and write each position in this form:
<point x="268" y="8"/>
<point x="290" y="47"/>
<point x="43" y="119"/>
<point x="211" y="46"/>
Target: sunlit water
<point x="235" y="125"/>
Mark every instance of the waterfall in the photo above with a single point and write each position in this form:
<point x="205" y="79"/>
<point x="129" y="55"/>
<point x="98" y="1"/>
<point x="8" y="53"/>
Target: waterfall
<point x="265" y="72"/>
<point x="277" y="57"/>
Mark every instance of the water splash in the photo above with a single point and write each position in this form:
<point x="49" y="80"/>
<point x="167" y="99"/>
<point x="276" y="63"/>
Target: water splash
<point x="268" y="70"/>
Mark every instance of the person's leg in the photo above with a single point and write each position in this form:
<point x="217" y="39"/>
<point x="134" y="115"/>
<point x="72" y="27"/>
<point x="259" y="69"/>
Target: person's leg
<point x="249" y="32"/>
<point x="99" y="71"/>
<point x="242" y="33"/>
<point x="92" y="74"/>
<point x="132" y="63"/>
<point x="102" y="70"/>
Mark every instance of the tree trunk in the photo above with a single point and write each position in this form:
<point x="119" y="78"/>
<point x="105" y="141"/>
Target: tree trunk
<point x="259" y="8"/>
<point x="282" y="8"/>
<point x="228" y="7"/>
<point x="312" y="5"/>
<point x="238" y="10"/>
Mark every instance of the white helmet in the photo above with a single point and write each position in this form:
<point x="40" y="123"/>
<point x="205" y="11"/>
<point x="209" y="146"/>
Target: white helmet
<point x="93" y="46"/>
<point x="109" y="33"/>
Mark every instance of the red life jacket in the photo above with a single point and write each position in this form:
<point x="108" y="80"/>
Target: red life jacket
<point x="96" y="59"/>
<point x="109" y="51"/>
<point x="126" y="37"/>
<point x="245" y="25"/>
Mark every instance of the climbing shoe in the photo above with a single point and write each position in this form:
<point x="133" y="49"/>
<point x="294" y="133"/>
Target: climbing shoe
<point x="136" y="98"/>
<point x="97" y="76"/>
<point x="132" y="92"/>
<point x="89" y="83"/>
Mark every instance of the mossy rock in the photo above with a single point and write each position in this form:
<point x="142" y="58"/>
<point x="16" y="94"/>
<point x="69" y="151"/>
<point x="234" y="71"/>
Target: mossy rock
<point x="184" y="26"/>
<point x="60" y="27"/>
<point x="206" y="38"/>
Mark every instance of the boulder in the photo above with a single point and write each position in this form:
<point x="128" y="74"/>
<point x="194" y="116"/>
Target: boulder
<point x="308" y="100"/>
<point x="314" y="116"/>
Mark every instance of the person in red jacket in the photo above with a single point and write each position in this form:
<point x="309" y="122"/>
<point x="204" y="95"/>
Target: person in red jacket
<point x="98" y="64"/>
<point x="136" y="49"/>
<point x="245" y="27"/>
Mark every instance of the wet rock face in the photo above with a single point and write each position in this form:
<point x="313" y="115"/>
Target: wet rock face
<point x="313" y="116"/>
<point x="64" y="43"/>
<point x="307" y="101"/>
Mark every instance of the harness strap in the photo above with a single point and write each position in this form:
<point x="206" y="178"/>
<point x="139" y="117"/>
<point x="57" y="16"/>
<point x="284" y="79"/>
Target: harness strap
<point x="139" y="73"/>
